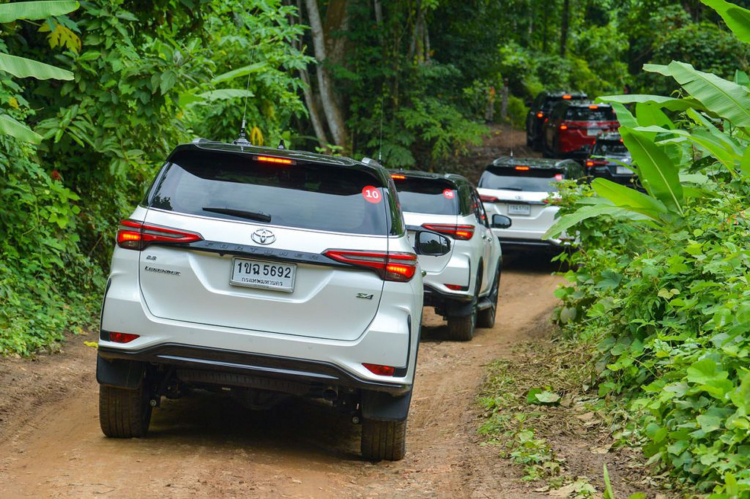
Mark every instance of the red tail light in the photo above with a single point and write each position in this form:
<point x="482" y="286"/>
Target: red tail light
<point x="137" y="235"/>
<point x="399" y="267"/>
<point x="380" y="370"/>
<point x="595" y="162"/>
<point x="460" y="232"/>
<point x="488" y="199"/>
<point x="122" y="337"/>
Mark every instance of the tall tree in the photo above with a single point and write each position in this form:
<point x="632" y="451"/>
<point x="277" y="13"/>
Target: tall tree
<point x="331" y="108"/>
<point x="564" y="27"/>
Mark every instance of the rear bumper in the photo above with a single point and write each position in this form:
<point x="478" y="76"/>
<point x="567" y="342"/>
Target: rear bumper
<point x="253" y="366"/>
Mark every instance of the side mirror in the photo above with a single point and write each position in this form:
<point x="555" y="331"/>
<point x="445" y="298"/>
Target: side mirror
<point x="431" y="244"/>
<point x="501" y="222"/>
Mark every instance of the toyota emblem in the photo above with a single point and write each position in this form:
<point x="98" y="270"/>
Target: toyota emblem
<point x="263" y="236"/>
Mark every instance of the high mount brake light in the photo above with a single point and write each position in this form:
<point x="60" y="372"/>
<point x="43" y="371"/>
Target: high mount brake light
<point x="271" y="159"/>
<point x="563" y="127"/>
<point x="136" y="235"/>
<point x="398" y="177"/>
<point x="393" y="266"/>
<point x="488" y="199"/>
<point x="567" y="97"/>
<point x="523" y="168"/>
<point x="380" y="370"/>
<point x="540" y="115"/>
<point x="593" y="106"/>
<point x="460" y="232"/>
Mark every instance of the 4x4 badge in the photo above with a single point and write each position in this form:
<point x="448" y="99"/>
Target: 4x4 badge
<point x="263" y="236"/>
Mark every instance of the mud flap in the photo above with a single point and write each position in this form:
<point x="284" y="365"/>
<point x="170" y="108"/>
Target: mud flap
<point x="120" y="373"/>
<point x="460" y="308"/>
<point x="383" y="406"/>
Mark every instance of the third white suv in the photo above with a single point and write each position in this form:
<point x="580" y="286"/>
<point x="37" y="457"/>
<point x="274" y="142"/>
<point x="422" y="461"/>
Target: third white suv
<point x="461" y="284"/>
<point x="520" y="188"/>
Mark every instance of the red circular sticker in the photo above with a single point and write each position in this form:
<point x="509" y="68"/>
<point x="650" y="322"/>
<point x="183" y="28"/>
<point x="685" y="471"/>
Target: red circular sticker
<point x="372" y="194"/>
<point x="449" y="193"/>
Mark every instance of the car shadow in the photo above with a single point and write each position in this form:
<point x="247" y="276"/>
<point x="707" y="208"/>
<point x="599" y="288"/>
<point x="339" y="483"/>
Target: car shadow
<point x="294" y="428"/>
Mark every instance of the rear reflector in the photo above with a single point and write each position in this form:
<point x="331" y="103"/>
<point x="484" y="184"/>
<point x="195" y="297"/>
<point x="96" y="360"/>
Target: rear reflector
<point x="460" y="232"/>
<point x="271" y="159"/>
<point x="457" y="287"/>
<point x="523" y="168"/>
<point x="488" y="199"/>
<point x="137" y="235"/>
<point x="380" y="370"/>
<point x="122" y="337"/>
<point x="398" y="177"/>
<point x="399" y="267"/>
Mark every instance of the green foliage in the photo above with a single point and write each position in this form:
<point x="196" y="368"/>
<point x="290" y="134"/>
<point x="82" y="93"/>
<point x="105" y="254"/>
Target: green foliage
<point x="140" y="84"/>
<point x="669" y="296"/>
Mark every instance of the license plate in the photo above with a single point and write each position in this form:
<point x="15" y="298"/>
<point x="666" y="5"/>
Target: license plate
<point x="624" y="170"/>
<point x="519" y="209"/>
<point x="593" y="132"/>
<point x="262" y="274"/>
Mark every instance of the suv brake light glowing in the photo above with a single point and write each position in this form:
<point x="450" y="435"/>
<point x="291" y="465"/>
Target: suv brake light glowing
<point x="136" y="235"/>
<point x="271" y="159"/>
<point x="460" y="232"/>
<point x="567" y="97"/>
<point x="540" y="114"/>
<point x="595" y="162"/>
<point x="523" y="168"/>
<point x="393" y="266"/>
<point x="398" y="177"/>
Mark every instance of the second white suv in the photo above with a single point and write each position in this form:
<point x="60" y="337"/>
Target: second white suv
<point x="461" y="284"/>
<point x="263" y="273"/>
<point x="520" y="188"/>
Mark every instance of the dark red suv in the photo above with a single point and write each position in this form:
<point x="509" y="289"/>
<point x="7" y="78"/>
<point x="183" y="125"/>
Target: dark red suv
<point x="540" y="109"/>
<point x="572" y="128"/>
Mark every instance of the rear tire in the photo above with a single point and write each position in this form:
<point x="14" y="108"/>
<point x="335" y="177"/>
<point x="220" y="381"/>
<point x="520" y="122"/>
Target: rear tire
<point x="486" y="317"/>
<point x="124" y="413"/>
<point x="383" y="440"/>
<point x="462" y="328"/>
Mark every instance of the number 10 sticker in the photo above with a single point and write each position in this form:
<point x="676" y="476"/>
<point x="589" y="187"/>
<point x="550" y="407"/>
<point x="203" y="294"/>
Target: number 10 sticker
<point x="372" y="194"/>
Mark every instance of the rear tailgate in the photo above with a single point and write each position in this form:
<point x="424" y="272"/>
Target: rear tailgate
<point x="309" y="294"/>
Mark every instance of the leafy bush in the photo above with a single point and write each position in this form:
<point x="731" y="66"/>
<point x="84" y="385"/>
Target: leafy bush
<point x="662" y="279"/>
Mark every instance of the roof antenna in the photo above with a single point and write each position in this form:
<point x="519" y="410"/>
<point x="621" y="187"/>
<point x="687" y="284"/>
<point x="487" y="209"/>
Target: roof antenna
<point x="242" y="139"/>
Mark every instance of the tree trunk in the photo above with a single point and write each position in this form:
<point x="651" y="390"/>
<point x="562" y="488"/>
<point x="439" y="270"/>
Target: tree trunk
<point x="334" y="30"/>
<point x="330" y="107"/>
<point x="564" y="28"/>
<point x="312" y="109"/>
<point x="378" y="13"/>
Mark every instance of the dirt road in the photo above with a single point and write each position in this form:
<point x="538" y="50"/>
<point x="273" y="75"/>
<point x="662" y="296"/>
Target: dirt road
<point x="208" y="446"/>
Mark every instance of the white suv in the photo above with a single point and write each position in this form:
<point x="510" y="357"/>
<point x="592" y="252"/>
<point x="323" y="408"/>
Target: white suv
<point x="264" y="273"/>
<point x="462" y="283"/>
<point x="520" y="188"/>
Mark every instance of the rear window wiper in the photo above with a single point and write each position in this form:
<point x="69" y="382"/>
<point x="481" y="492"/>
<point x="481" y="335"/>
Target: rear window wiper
<point x="511" y="188"/>
<point x="250" y="215"/>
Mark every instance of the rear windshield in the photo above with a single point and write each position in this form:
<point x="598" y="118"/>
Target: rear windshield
<point x="435" y="197"/>
<point x="551" y="101"/>
<point x="605" y="147"/>
<point x="307" y="196"/>
<point x="575" y="113"/>
<point x="533" y="180"/>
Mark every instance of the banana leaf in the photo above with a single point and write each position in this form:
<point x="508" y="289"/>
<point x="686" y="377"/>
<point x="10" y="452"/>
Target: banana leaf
<point x="10" y="12"/>
<point x="25" y="68"/>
